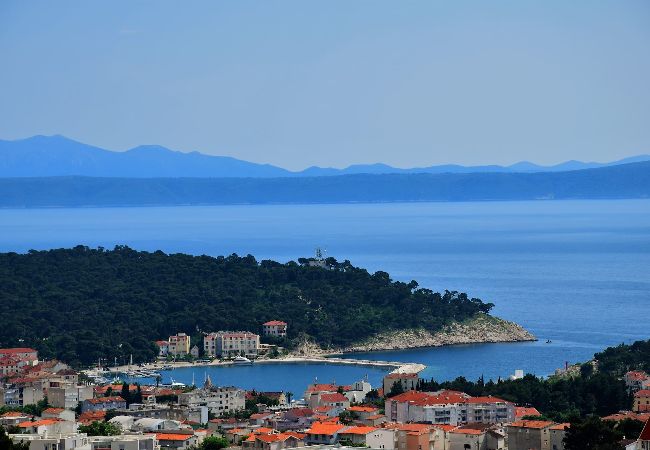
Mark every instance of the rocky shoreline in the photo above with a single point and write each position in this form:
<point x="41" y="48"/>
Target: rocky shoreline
<point x="481" y="329"/>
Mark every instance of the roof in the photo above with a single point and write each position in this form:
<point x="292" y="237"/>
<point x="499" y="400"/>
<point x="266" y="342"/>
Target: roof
<point x="363" y="409"/>
<point x="260" y="415"/>
<point x="335" y="397"/>
<point x="560" y="426"/>
<point x="262" y="430"/>
<point x="539" y="424"/>
<point x="521" y="411"/>
<point x="473" y="431"/>
<point x="636" y="375"/>
<point x="274" y="322"/>
<point x="173" y="436"/>
<point x="408" y="426"/>
<point x="15" y="414"/>
<point x="645" y="433"/>
<point x="325" y="428"/>
<point x="99" y="400"/>
<point x="322" y="387"/>
<point x="359" y="430"/>
<point x="13" y="351"/>
<point x="38" y="423"/>
<point x="53" y="410"/>
<point x="642" y="393"/>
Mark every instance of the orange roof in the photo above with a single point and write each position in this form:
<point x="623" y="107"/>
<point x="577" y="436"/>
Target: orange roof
<point x="363" y="408"/>
<point x="173" y="437"/>
<point x="444" y="427"/>
<point x="532" y="424"/>
<point x="636" y="375"/>
<point x="642" y="393"/>
<point x="466" y="431"/>
<point x="359" y="430"/>
<point x="15" y="414"/>
<point x="275" y="322"/>
<point x="560" y="426"/>
<point x="335" y="397"/>
<point x="53" y="410"/>
<point x="408" y="426"/>
<point x="521" y="411"/>
<point x="38" y="423"/>
<point x="99" y="400"/>
<point x="261" y="430"/>
<point x="325" y="428"/>
<point x="322" y="387"/>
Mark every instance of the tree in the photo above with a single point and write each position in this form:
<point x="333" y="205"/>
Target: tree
<point x="7" y="444"/>
<point x="396" y="389"/>
<point x="100" y="429"/>
<point x="213" y="443"/>
<point x="592" y="434"/>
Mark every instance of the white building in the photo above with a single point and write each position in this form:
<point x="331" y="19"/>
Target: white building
<point x="275" y="328"/>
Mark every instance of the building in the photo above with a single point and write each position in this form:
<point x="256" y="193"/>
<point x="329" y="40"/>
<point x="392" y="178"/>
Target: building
<point x="163" y="348"/>
<point x="218" y="400"/>
<point x="103" y="404"/>
<point x="409" y="381"/>
<point x="371" y="437"/>
<point x="194" y="351"/>
<point x="68" y="397"/>
<point x="275" y="328"/>
<point x="324" y="433"/>
<point x="25" y="354"/>
<point x="558" y="432"/>
<point x="529" y="435"/>
<point x="123" y="442"/>
<point x="47" y="427"/>
<point x="67" y="441"/>
<point x="176" y="440"/>
<point x="228" y="344"/>
<point x="448" y="408"/>
<point x="179" y="345"/>
<point x="642" y="401"/>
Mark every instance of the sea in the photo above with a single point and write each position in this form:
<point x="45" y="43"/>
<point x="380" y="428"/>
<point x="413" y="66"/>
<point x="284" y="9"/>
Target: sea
<point x="575" y="273"/>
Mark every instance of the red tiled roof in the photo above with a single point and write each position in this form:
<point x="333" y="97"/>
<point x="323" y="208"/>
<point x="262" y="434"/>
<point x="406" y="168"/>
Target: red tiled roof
<point x="335" y="397"/>
<point x="322" y="387"/>
<point x="642" y="393"/>
<point x="173" y="436"/>
<point x="38" y="423"/>
<point x="560" y="426"/>
<point x="636" y="375"/>
<point x="325" y="428"/>
<point x="53" y="410"/>
<point x="466" y="431"/>
<point x="96" y="401"/>
<point x="274" y="322"/>
<point x="522" y="411"/>
<point x="363" y="408"/>
<point x="645" y="433"/>
<point x="263" y="430"/>
<point x="359" y="430"/>
<point x="15" y="414"/>
<point x="531" y="424"/>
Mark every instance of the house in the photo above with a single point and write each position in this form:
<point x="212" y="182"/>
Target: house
<point x="163" y="348"/>
<point x="67" y="441"/>
<point x="643" y="443"/>
<point x="529" y="434"/>
<point x="467" y="438"/>
<point x="13" y="418"/>
<point x="636" y="380"/>
<point x="194" y="351"/>
<point x="558" y="432"/>
<point x="148" y="424"/>
<point x="372" y="437"/>
<point x="228" y="344"/>
<point x="274" y="441"/>
<point x="176" y="440"/>
<point x="334" y="400"/>
<point x="179" y="345"/>
<point x="275" y="328"/>
<point x="58" y="413"/>
<point x="324" y="433"/>
<point x="642" y="401"/>
<point x="409" y="381"/>
<point x="24" y="354"/>
<point x="417" y="436"/>
<point x="103" y="404"/>
<point x="123" y="442"/>
<point x="48" y="426"/>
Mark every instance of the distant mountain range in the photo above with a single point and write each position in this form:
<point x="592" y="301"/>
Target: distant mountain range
<point x="46" y="156"/>
<point x="616" y="182"/>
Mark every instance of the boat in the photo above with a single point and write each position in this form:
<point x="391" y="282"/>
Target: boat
<point x="241" y="360"/>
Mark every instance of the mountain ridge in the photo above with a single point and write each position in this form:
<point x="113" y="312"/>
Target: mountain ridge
<point x="46" y="156"/>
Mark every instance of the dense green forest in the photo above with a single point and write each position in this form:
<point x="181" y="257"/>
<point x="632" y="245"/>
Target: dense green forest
<point x="83" y="304"/>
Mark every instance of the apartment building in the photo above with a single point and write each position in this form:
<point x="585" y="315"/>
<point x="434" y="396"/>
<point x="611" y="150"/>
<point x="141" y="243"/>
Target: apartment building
<point x="218" y="400"/>
<point x="275" y="328"/>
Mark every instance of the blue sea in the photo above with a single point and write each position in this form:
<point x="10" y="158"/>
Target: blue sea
<point x="576" y="273"/>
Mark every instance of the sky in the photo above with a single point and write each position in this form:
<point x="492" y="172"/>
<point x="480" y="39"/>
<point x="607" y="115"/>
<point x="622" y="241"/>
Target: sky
<point x="333" y="83"/>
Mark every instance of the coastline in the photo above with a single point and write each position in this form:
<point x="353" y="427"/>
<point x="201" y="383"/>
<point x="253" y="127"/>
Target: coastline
<point x="482" y="329"/>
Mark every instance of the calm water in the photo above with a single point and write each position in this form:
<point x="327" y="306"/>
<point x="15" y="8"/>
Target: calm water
<point x="574" y="272"/>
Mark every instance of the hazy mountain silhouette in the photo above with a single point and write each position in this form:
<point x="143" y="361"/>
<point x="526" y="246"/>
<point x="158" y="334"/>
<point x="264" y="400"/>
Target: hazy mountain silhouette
<point x="40" y="156"/>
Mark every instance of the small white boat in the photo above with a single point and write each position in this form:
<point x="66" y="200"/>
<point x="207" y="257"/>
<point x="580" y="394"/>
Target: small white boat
<point x="241" y="360"/>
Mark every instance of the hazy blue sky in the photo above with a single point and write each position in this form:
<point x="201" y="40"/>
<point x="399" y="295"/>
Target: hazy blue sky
<point x="331" y="83"/>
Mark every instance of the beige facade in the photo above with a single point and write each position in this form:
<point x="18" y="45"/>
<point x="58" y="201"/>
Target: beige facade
<point x="228" y="344"/>
<point x="179" y="345"/>
<point x="529" y="435"/>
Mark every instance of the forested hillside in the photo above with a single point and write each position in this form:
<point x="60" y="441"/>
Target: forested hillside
<point x="81" y="304"/>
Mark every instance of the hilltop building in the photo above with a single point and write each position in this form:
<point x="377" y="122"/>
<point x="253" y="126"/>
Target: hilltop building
<point x="275" y="328"/>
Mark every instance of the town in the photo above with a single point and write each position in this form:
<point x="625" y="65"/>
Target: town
<point x="47" y="405"/>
